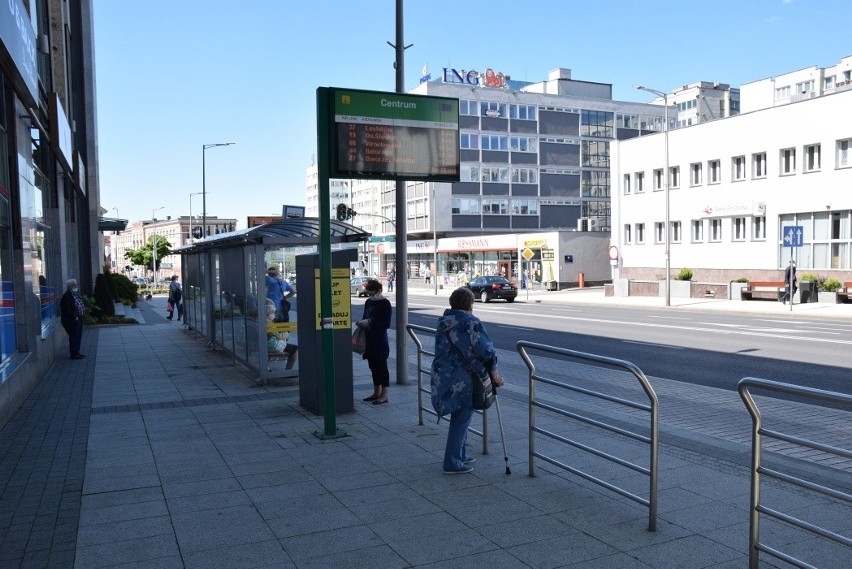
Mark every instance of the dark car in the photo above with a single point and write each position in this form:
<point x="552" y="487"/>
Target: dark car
<point x="488" y="288"/>
<point x="356" y="285"/>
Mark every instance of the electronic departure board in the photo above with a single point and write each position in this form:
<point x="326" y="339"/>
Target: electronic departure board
<point x="393" y="136"/>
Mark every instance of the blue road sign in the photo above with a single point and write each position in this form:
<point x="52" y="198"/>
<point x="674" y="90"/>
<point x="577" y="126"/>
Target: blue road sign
<point x="792" y="236"/>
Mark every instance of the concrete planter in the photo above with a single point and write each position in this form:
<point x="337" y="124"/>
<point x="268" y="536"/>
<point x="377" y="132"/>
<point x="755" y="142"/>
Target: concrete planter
<point x="680" y="289"/>
<point x="734" y="290"/>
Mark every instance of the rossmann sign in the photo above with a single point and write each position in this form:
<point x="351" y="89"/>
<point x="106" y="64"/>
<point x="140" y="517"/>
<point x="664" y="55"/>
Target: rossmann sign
<point x="489" y="78"/>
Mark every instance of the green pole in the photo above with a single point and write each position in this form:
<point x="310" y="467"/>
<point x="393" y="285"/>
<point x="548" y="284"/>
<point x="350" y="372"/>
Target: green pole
<point x="324" y="106"/>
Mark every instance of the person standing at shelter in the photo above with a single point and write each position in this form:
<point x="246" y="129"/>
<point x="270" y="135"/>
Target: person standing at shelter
<point x="175" y="296"/>
<point x="460" y="334"/>
<point x="71" y="310"/>
<point x="278" y="291"/>
<point x="376" y="321"/>
<point x="789" y="282"/>
<point x="391" y="278"/>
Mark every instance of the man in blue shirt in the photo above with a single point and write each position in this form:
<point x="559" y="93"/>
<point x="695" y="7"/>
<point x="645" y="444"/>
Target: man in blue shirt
<point x="278" y="291"/>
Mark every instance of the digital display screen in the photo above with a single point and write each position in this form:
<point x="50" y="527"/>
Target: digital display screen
<point x="395" y="136"/>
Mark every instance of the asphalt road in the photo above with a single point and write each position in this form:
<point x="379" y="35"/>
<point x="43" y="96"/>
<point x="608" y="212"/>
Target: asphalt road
<point x="715" y="349"/>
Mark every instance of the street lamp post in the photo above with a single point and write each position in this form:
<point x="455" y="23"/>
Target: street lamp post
<point x="191" y="239"/>
<point x="667" y="229"/>
<point x="154" y="242"/>
<point x="204" y="148"/>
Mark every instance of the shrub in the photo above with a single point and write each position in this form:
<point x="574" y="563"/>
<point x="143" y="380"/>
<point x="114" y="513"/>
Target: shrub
<point x="125" y="290"/>
<point x="831" y="285"/>
<point x="809" y="277"/>
<point x="685" y="274"/>
<point x="103" y="297"/>
<point x="741" y="280"/>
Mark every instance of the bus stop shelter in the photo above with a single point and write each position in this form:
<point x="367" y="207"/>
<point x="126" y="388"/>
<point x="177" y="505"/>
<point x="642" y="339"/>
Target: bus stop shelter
<point x="225" y="292"/>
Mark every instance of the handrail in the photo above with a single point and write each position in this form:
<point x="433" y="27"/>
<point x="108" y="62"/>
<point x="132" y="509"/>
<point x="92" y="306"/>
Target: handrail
<point x="652" y="408"/>
<point x="755" y="546"/>
<point x="423" y="371"/>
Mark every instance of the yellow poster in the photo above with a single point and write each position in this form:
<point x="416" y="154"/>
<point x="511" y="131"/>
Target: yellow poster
<point x="341" y="306"/>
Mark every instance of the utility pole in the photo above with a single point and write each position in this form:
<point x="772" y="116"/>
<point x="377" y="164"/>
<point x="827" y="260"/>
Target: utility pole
<point x="401" y="222"/>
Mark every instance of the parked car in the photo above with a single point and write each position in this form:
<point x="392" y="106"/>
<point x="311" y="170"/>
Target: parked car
<point x="356" y="285"/>
<point x="140" y="281"/>
<point x="488" y="288"/>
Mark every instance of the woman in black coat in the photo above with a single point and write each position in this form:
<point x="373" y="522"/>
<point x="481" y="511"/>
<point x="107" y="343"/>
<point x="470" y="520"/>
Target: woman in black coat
<point x="71" y="309"/>
<point x="376" y="321"/>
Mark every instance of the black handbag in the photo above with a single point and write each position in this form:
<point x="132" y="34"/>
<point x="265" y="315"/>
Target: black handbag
<point x="483" y="391"/>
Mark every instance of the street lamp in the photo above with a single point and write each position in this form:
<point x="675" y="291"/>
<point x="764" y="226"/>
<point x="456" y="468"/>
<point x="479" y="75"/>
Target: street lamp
<point x="191" y="237"/>
<point x="154" y="241"/>
<point x="204" y="148"/>
<point x="667" y="234"/>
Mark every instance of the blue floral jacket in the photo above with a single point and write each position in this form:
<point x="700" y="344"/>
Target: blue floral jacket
<point x="451" y="383"/>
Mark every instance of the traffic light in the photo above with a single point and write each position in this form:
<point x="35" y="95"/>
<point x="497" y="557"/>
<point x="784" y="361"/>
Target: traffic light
<point x="341" y="212"/>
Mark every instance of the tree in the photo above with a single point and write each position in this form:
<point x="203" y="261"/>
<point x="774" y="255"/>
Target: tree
<point x="144" y="255"/>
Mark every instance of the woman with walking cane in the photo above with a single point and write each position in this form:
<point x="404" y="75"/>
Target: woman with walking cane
<point x="460" y="343"/>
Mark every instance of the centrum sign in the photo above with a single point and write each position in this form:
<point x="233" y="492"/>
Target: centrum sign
<point x="393" y="136"/>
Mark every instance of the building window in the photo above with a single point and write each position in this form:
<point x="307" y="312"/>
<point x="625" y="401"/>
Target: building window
<point x="465" y="206"/>
<point x="828" y="83"/>
<point x="469" y="173"/>
<point x="695" y="174"/>
<point x="658" y="179"/>
<point x="758" y="165"/>
<point x="595" y="153"/>
<point x="523" y="144"/>
<point x="627" y="184"/>
<point x="594" y="183"/>
<point x="495" y="142"/>
<point x="640" y="233"/>
<point x="740" y="229"/>
<point x="659" y="232"/>
<point x="758" y="227"/>
<point x="522" y="112"/>
<point x="492" y="109"/>
<point x="469" y="108"/>
<point x="788" y="161"/>
<point x="495" y="207"/>
<point x="597" y="123"/>
<point x="782" y="93"/>
<point x="524" y="176"/>
<point x="674" y="176"/>
<point x="738" y="168"/>
<point x="714" y="171"/>
<point x="812" y="159"/>
<point x="843" y="153"/>
<point x="698" y="231"/>
<point x="469" y="141"/>
<point x="640" y="182"/>
<point x="627" y="234"/>
<point x="495" y="175"/>
<point x="805" y="87"/>
<point x="676" y="232"/>
<point x="524" y="207"/>
<point x="715" y="230"/>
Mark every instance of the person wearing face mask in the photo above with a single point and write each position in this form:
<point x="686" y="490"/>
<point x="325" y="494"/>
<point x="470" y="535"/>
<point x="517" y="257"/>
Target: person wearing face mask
<point x="376" y="321"/>
<point x="71" y="309"/>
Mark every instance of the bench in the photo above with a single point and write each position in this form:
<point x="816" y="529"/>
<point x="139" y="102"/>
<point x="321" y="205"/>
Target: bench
<point x="842" y="295"/>
<point x="768" y="290"/>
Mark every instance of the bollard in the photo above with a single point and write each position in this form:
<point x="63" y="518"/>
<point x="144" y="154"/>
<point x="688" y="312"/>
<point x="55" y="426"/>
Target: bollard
<point x="582" y="279"/>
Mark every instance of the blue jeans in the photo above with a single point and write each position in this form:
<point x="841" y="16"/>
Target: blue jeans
<point x="455" y="453"/>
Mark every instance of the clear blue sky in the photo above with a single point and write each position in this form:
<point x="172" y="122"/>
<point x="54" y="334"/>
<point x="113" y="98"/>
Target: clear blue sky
<point x="174" y="75"/>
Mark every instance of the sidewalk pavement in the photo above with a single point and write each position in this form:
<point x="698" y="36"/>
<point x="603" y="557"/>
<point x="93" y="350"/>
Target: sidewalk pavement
<point x="155" y="451"/>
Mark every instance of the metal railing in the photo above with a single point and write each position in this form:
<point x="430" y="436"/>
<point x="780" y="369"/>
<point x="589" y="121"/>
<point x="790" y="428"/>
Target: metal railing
<point x="652" y="408"/>
<point x="758" y="470"/>
<point x="424" y="370"/>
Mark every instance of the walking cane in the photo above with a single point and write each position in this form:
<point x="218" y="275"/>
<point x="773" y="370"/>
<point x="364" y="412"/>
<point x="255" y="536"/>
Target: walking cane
<point x="502" y="434"/>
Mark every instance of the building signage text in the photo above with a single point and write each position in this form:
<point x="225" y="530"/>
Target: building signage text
<point x="489" y="78"/>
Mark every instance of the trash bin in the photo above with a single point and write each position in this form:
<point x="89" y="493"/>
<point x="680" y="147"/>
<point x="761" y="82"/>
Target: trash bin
<point x="550" y="285"/>
<point x="808" y="292"/>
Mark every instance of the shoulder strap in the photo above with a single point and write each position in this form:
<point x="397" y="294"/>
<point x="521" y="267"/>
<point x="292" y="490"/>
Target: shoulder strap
<point x="464" y="360"/>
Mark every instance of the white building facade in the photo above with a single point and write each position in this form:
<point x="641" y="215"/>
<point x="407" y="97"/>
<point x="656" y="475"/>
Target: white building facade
<point x="734" y="185"/>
